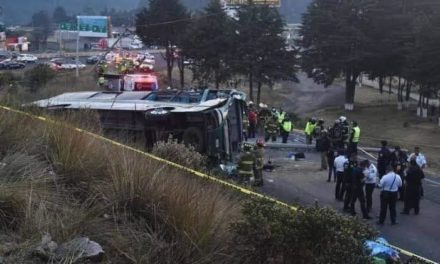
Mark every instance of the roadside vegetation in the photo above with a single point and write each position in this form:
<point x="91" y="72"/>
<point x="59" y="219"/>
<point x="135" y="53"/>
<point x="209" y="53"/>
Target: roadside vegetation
<point x="60" y="182"/>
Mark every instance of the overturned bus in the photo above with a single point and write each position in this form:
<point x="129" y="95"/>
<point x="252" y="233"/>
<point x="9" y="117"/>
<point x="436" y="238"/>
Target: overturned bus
<point x="209" y="120"/>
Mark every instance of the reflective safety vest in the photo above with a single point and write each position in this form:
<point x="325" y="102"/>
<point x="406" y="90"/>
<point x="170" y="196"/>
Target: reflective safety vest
<point x="287" y="126"/>
<point x="309" y="128"/>
<point x="356" y="134"/>
<point x="281" y="117"/>
<point x="101" y="80"/>
<point x="245" y="123"/>
<point x="246" y="164"/>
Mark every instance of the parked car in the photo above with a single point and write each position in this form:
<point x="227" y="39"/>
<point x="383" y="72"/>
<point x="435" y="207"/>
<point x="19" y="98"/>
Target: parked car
<point x="53" y="66"/>
<point x="94" y="59"/>
<point x="12" y="65"/>
<point x="27" y="58"/>
<point x="72" y="66"/>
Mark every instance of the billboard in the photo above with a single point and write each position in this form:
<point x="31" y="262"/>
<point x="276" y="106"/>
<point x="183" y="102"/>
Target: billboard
<point x="94" y="26"/>
<point x="276" y="3"/>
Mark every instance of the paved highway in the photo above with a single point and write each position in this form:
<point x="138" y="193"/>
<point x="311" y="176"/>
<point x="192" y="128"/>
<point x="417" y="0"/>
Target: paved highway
<point x="301" y="182"/>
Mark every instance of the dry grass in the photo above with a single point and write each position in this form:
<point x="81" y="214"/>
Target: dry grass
<point x="59" y="181"/>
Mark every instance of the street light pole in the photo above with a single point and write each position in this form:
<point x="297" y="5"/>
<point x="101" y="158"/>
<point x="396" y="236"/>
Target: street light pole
<point x="77" y="47"/>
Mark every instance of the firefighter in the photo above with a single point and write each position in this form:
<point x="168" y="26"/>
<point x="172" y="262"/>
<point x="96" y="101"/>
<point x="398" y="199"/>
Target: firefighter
<point x="246" y="164"/>
<point x="101" y="81"/>
<point x="245" y="126"/>
<point x="252" y="117"/>
<point x="335" y="133"/>
<point x="271" y="129"/>
<point x="309" y="129"/>
<point x="263" y="116"/>
<point x="345" y="131"/>
<point x="286" y="128"/>
<point x="259" y="158"/>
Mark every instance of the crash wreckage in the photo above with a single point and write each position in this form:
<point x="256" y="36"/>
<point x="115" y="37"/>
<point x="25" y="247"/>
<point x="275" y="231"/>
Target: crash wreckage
<point x="209" y="120"/>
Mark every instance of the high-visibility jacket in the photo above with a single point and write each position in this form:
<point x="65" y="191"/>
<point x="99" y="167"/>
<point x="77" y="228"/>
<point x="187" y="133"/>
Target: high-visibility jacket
<point x="259" y="158"/>
<point x="287" y="126"/>
<point x="246" y="164"/>
<point x="281" y="117"/>
<point x="356" y="134"/>
<point x="310" y="128"/>
<point x="101" y="80"/>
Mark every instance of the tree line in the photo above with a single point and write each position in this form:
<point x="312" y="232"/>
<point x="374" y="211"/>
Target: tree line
<point x="383" y="39"/>
<point x="222" y="47"/>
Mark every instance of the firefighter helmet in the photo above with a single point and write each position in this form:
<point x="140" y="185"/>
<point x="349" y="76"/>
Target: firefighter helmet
<point x="247" y="147"/>
<point x="260" y="142"/>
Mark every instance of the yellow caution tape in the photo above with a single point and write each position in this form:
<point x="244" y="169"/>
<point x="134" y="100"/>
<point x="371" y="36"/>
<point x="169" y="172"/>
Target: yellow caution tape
<point x="189" y="170"/>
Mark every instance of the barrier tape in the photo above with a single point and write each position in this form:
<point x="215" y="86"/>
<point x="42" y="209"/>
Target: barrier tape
<point x="189" y="170"/>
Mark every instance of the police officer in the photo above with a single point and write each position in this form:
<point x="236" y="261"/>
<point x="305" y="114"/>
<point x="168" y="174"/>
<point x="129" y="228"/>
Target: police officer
<point x="384" y="158"/>
<point x="246" y="164"/>
<point x="389" y="184"/>
<point x="354" y="138"/>
<point x="340" y="165"/>
<point x="309" y="129"/>
<point x="286" y="128"/>
<point x="347" y="182"/>
<point x="357" y="190"/>
<point x="259" y="158"/>
<point x="399" y="163"/>
<point x="272" y="129"/>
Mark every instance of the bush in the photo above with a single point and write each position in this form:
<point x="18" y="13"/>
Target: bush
<point x="270" y="233"/>
<point x="181" y="154"/>
<point x="38" y="76"/>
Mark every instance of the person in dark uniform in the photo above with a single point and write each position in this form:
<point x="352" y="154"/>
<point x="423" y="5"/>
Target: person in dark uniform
<point x="399" y="162"/>
<point x="340" y="164"/>
<point x="347" y="182"/>
<point x="317" y="133"/>
<point x="414" y="178"/>
<point x="383" y="159"/>
<point x="324" y="147"/>
<point x="331" y="164"/>
<point x="357" y="190"/>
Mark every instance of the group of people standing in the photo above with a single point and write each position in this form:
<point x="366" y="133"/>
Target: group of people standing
<point x="397" y="175"/>
<point x="266" y="123"/>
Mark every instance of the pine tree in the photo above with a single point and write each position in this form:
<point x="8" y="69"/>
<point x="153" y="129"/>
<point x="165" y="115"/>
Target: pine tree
<point x="208" y="42"/>
<point x="334" y="42"/>
<point x="162" y="23"/>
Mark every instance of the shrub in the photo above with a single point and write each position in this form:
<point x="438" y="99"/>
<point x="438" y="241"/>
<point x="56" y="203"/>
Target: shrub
<point x="180" y="154"/>
<point x="38" y="76"/>
<point x="269" y="233"/>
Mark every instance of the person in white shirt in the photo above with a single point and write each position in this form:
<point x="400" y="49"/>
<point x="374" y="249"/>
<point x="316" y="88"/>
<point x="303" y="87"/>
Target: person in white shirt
<point x="389" y="184"/>
<point x="340" y="160"/>
<point x="419" y="157"/>
<point x="370" y="172"/>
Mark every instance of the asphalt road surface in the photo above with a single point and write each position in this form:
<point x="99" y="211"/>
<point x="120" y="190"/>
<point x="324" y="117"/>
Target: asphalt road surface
<point x="301" y="182"/>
